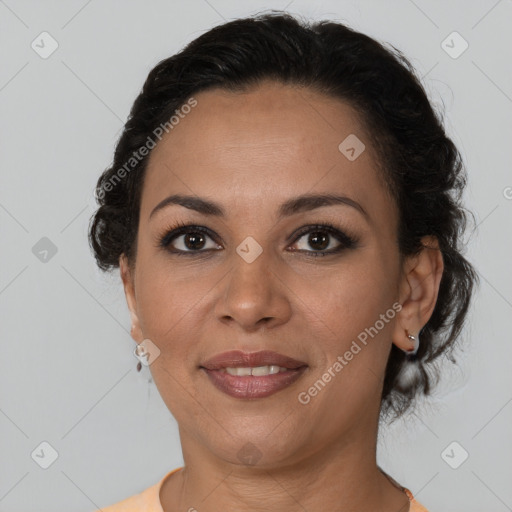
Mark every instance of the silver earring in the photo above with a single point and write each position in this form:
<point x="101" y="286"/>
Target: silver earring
<point x="410" y="374"/>
<point x="140" y="353"/>
<point x="414" y="350"/>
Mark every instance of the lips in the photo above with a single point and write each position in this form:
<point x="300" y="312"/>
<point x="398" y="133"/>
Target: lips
<point x="252" y="386"/>
<point x="237" y="358"/>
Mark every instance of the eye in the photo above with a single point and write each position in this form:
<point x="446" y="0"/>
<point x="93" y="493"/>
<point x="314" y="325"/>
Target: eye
<point x="324" y="239"/>
<point x="188" y="239"/>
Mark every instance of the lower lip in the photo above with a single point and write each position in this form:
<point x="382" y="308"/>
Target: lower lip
<point x="253" y="387"/>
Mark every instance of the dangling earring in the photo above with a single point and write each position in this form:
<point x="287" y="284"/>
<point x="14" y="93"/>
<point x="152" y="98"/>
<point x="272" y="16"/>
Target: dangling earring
<point x="410" y="374"/>
<point x="140" y="352"/>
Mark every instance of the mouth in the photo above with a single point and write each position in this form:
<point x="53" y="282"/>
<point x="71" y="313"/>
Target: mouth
<point x="250" y="375"/>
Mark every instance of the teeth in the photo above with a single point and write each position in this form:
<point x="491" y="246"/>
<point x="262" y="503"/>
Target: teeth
<point x="258" y="371"/>
<point x="240" y="372"/>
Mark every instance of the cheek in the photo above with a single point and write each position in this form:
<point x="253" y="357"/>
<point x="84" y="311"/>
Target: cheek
<point x="174" y="304"/>
<point x="350" y="299"/>
<point x="356" y="346"/>
<point x="168" y="304"/>
<point x="171" y="311"/>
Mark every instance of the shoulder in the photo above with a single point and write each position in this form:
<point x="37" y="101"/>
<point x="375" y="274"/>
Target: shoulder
<point x="145" y="501"/>
<point x="416" y="506"/>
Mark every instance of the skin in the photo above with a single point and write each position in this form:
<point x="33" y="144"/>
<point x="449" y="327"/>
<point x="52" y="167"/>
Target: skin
<point x="250" y="152"/>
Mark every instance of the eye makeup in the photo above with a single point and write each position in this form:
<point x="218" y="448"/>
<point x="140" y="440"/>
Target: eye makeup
<point x="166" y="238"/>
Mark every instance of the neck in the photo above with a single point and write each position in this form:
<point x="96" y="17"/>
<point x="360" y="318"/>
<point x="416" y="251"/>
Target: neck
<point x="342" y="476"/>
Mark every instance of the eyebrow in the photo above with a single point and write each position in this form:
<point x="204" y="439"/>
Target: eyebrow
<point x="290" y="207"/>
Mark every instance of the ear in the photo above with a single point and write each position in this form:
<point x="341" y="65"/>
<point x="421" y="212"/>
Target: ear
<point x="418" y="291"/>
<point x="129" y="291"/>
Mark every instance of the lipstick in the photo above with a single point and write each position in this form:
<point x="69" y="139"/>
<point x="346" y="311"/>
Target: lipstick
<point x="251" y="375"/>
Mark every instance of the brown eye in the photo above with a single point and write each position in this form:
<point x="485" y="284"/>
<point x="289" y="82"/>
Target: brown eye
<point x="318" y="241"/>
<point x="194" y="241"/>
<point x="324" y="239"/>
<point x="189" y="240"/>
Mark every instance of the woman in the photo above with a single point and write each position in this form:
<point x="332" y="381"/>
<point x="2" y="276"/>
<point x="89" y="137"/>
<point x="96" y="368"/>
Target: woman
<point x="284" y="209"/>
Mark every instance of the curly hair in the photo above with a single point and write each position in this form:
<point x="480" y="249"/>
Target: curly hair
<point x="420" y="164"/>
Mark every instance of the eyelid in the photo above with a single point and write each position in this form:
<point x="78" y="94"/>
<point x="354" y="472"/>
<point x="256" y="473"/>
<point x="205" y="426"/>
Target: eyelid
<point x="342" y="237"/>
<point x="178" y="229"/>
<point x="164" y="238"/>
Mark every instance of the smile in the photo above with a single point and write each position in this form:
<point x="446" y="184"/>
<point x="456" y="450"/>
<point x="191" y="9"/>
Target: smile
<point x="252" y="374"/>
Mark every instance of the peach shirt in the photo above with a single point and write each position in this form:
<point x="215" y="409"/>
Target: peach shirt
<point x="149" y="500"/>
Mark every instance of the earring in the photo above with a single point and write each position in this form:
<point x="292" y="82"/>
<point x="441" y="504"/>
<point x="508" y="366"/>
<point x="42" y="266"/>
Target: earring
<point x="139" y="364"/>
<point x="410" y="375"/>
<point x="140" y="352"/>
<point x="142" y="355"/>
<point x="413" y="351"/>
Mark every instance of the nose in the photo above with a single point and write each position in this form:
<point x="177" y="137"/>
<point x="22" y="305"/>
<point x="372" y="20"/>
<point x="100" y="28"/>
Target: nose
<point x="254" y="295"/>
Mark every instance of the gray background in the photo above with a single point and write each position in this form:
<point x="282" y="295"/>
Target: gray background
<point x="67" y="372"/>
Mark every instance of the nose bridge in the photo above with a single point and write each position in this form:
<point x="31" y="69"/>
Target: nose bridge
<point x="253" y="291"/>
<point x="252" y="267"/>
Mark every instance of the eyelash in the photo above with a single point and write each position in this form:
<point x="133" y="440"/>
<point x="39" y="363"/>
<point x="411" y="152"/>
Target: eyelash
<point x="172" y="232"/>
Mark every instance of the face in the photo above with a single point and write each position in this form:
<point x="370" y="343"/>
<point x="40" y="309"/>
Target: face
<point x="306" y="282"/>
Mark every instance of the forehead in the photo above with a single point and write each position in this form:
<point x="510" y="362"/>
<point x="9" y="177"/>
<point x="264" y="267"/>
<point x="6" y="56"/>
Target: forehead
<point x="273" y="141"/>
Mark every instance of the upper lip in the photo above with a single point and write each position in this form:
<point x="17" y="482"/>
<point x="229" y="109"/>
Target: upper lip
<point x="237" y="358"/>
